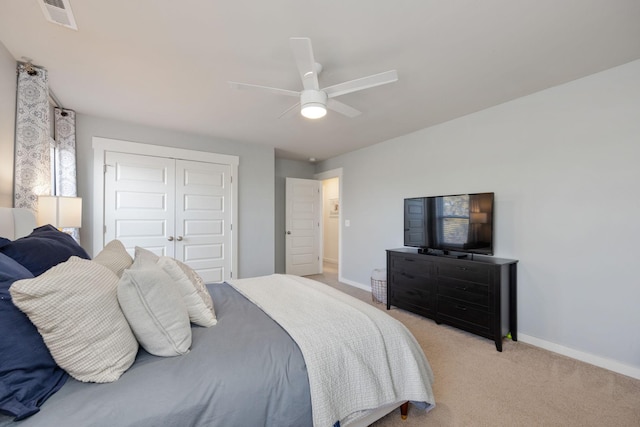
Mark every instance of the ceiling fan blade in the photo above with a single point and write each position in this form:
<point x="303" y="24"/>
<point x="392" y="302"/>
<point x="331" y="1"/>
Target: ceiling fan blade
<point x="341" y="108"/>
<point x="289" y="112"/>
<point x="277" y="91"/>
<point x="361" y="83"/>
<point x="303" y="54"/>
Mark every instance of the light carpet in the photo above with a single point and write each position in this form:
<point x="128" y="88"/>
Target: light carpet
<point x="475" y="385"/>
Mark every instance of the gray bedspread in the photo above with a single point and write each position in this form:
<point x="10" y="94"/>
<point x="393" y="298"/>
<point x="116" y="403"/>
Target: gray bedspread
<point x="244" y="371"/>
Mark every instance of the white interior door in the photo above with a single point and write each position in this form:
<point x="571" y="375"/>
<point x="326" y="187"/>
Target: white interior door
<point x="303" y="209"/>
<point x="203" y="218"/>
<point x="139" y="202"/>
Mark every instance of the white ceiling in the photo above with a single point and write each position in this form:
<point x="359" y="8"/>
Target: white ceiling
<point x="167" y="63"/>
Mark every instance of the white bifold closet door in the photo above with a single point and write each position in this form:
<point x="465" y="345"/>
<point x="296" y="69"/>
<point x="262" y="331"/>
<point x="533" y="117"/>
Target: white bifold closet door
<point x="173" y="207"/>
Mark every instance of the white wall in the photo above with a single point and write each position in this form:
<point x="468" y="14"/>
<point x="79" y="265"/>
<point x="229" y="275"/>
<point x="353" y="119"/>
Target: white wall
<point x="256" y="204"/>
<point x="564" y="165"/>
<point x="8" y="82"/>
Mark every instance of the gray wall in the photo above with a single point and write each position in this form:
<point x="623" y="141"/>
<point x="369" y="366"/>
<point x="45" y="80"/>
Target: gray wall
<point x="8" y="82"/>
<point x="255" y="187"/>
<point x="283" y="169"/>
<point x="563" y="164"/>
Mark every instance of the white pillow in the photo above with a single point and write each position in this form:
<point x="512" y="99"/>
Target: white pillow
<point x="155" y="310"/>
<point x="115" y="257"/>
<point x="75" y="307"/>
<point x="145" y="255"/>
<point x="199" y="313"/>
<point x="198" y="283"/>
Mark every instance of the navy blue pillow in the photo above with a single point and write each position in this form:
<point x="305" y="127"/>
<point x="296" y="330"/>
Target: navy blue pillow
<point x="28" y="373"/>
<point x="44" y="248"/>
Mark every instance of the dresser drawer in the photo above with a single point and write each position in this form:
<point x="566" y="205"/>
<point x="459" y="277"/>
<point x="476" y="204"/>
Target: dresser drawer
<point x="420" y="301"/>
<point x="401" y="279"/>
<point x="472" y="292"/>
<point x="411" y="265"/>
<point x="458" y="310"/>
<point x="470" y="272"/>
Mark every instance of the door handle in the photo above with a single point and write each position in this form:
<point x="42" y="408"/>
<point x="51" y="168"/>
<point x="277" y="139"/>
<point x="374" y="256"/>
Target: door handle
<point x="288" y="232"/>
<point x="179" y="239"/>
<point x="170" y="238"/>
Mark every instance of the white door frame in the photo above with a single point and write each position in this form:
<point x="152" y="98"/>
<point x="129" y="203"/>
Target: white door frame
<point x="102" y="145"/>
<point x="335" y="173"/>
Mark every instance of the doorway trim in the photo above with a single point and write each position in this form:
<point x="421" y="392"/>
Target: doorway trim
<point x="335" y="173"/>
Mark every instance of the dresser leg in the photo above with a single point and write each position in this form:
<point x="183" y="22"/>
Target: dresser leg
<point x="513" y="301"/>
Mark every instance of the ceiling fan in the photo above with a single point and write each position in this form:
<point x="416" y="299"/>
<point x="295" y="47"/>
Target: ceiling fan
<point x="313" y="100"/>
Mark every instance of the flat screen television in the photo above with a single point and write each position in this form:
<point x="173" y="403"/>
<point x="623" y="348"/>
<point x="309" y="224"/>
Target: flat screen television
<point x="444" y="224"/>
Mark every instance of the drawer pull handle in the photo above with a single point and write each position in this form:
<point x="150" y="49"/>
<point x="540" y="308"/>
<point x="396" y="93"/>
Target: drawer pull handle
<point x="461" y="307"/>
<point x="461" y="288"/>
<point x="462" y="268"/>
<point x="408" y="276"/>
<point x="409" y="260"/>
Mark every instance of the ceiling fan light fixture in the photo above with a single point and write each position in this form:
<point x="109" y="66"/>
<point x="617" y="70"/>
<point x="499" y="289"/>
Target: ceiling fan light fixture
<point x="314" y="111"/>
<point x="314" y="101"/>
<point x="313" y="104"/>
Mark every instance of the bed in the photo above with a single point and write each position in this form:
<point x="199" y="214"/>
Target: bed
<point x="284" y="350"/>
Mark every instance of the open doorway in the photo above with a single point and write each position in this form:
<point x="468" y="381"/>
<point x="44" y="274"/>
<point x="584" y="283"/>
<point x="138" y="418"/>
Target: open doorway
<point x="331" y="221"/>
<point x="331" y="225"/>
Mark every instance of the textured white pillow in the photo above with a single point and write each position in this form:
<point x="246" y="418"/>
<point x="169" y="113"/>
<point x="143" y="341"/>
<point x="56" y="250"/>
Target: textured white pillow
<point x="199" y="313"/>
<point x="198" y="283"/>
<point x="75" y="307"/>
<point x="155" y="310"/>
<point x="115" y="257"/>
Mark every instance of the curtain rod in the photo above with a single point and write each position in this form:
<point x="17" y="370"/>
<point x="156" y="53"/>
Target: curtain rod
<point x="54" y="99"/>
<point x="52" y="96"/>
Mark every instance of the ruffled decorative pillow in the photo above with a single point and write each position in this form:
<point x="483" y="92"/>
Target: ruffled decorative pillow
<point x="199" y="313"/>
<point x="198" y="283"/>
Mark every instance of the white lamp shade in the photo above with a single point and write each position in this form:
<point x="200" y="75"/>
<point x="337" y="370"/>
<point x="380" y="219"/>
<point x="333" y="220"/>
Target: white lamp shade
<point x="61" y="212"/>
<point x="479" y="217"/>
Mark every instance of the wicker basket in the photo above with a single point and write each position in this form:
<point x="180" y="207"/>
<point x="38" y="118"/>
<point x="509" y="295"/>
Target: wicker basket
<point x="379" y="286"/>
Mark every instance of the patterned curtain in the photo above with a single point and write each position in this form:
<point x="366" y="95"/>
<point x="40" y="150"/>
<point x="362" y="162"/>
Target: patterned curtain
<point x="65" y="157"/>
<point x="33" y="147"/>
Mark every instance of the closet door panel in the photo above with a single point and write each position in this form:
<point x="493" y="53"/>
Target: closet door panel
<point x="203" y="218"/>
<point x="140" y="202"/>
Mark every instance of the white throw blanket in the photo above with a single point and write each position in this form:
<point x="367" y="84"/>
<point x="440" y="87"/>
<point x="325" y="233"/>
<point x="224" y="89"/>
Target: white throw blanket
<point x="358" y="358"/>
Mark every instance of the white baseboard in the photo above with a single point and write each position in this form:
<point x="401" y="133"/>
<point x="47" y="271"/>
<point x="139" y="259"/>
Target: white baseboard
<point x="603" y="362"/>
<point x="355" y="284"/>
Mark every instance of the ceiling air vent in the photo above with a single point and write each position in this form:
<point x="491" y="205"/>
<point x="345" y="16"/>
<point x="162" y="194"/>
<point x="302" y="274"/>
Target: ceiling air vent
<point x="58" y="12"/>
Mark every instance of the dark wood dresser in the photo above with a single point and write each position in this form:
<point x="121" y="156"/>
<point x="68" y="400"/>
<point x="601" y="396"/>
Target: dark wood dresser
<point x="476" y="293"/>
